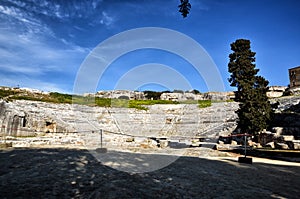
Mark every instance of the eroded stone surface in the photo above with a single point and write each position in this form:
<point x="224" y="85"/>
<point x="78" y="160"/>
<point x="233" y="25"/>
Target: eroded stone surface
<point x="40" y="123"/>
<point x="66" y="123"/>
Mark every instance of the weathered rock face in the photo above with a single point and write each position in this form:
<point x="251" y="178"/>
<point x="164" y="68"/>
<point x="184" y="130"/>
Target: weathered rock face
<point x="181" y="96"/>
<point x="13" y="121"/>
<point x="76" y="124"/>
<point x="24" y="118"/>
<point x="192" y="96"/>
<point x="218" y="95"/>
<point x="27" y="118"/>
<point x="285" y="125"/>
<point x="286" y="102"/>
<point x="287" y="117"/>
<point x="276" y="91"/>
<point x="119" y="94"/>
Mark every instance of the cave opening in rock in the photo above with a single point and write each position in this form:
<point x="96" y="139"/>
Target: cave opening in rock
<point x="24" y="122"/>
<point x="48" y="123"/>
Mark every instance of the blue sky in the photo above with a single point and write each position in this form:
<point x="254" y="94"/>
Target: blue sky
<point x="43" y="43"/>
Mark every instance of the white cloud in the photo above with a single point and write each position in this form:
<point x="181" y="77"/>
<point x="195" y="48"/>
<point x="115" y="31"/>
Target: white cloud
<point x="71" y="47"/>
<point x="23" y="81"/>
<point x="106" y="19"/>
<point x="30" y="46"/>
<point x="9" y="11"/>
<point x="28" y="62"/>
<point x="23" y="23"/>
<point x="20" y="69"/>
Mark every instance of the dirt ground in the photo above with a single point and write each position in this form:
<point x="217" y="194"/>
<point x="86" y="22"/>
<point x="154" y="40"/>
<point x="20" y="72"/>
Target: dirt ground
<point x="75" y="173"/>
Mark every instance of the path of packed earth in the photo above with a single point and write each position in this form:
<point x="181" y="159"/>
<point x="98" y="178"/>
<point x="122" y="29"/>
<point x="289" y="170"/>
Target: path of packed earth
<point x="75" y="173"/>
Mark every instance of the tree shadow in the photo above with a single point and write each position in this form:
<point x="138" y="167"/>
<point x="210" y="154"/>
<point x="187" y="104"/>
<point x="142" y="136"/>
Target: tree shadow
<point x="76" y="173"/>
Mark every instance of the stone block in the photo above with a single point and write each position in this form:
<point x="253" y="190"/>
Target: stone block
<point x="163" y="143"/>
<point x="20" y="144"/>
<point x="220" y="142"/>
<point x="296" y="144"/>
<point x="5" y="145"/>
<point x="271" y="145"/>
<point x="195" y="144"/>
<point x="251" y="143"/>
<point x="288" y="137"/>
<point x="282" y="146"/>
<point x="130" y="139"/>
<point x="278" y="130"/>
<point x="149" y="143"/>
<point x="233" y="142"/>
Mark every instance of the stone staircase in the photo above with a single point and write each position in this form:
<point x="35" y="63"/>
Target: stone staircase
<point x="185" y="120"/>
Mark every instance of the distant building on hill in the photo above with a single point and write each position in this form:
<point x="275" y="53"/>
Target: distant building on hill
<point x="119" y="94"/>
<point x="191" y="96"/>
<point x="294" y="74"/>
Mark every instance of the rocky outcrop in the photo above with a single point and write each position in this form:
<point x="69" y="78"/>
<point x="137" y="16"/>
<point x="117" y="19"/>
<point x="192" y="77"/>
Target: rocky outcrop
<point x="276" y="91"/>
<point x="180" y="96"/>
<point x="28" y="118"/>
<point x="287" y="117"/>
<point x="285" y="131"/>
<point x="217" y="96"/>
<point x="118" y="94"/>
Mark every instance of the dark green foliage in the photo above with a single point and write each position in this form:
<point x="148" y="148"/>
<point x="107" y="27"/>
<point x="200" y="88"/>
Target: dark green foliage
<point x="254" y="109"/>
<point x="166" y="91"/>
<point x="178" y="91"/>
<point x="184" y="7"/>
<point x="61" y="98"/>
<point x="152" y="95"/>
<point x="195" y="91"/>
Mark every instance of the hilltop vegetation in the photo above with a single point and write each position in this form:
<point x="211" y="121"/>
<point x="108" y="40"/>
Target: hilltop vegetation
<point x="55" y="97"/>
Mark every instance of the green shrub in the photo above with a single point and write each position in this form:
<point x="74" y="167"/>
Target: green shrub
<point x="204" y="103"/>
<point x="55" y="97"/>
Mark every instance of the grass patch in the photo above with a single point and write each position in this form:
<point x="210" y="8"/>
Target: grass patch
<point x="204" y="103"/>
<point x="59" y="98"/>
<point x="6" y="93"/>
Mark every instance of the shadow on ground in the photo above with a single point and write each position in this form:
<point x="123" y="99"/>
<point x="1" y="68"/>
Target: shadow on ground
<point x="74" y="173"/>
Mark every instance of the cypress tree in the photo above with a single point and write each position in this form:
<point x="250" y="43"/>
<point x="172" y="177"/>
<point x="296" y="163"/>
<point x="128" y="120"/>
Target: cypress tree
<point x="184" y="7"/>
<point x="254" y="113"/>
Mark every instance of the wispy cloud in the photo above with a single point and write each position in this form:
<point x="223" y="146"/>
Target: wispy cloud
<point x="24" y="81"/>
<point x="47" y="40"/>
<point x="30" y="46"/>
<point x="15" y="48"/>
<point x="106" y="19"/>
<point x="29" y="62"/>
